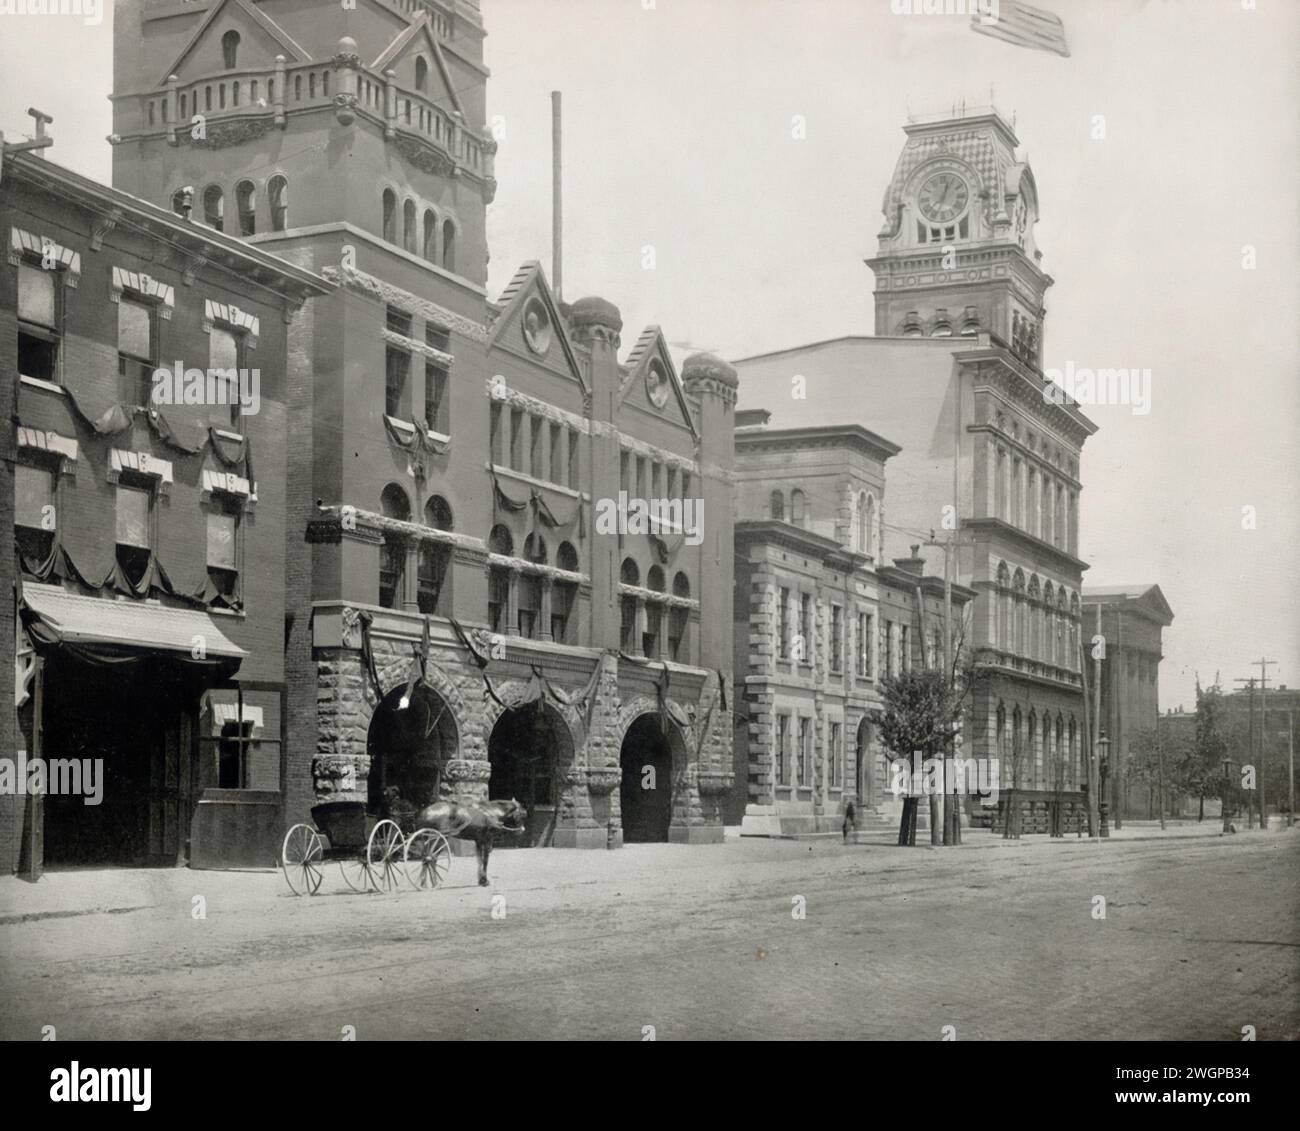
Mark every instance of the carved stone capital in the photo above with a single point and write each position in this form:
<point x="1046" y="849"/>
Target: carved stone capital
<point x="467" y="770"/>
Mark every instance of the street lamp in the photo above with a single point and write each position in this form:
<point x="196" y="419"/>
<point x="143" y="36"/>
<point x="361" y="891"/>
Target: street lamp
<point x="1103" y="806"/>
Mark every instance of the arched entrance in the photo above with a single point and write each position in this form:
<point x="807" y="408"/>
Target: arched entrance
<point x="526" y="749"/>
<point x="866" y="769"/>
<point x="409" y="742"/>
<point x="646" y="793"/>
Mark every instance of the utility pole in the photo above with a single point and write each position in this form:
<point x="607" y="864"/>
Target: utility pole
<point x="1094" y="772"/>
<point x="952" y="812"/>
<point x="1263" y="709"/>
<point x="1160" y="759"/>
<point x="1290" y="765"/>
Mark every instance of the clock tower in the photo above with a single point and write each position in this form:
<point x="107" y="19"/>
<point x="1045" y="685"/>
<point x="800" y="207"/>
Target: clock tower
<point x="957" y="255"/>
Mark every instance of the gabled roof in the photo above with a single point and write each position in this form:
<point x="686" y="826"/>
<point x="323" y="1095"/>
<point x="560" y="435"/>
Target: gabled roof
<point x="649" y="346"/>
<point x="530" y="280"/>
<point x="268" y="25"/>
<point x="1145" y="594"/>
<point x="420" y="27"/>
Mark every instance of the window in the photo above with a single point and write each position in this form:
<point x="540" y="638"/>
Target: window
<point x="232" y="755"/>
<point x="629" y="574"/>
<point x="409" y="233"/>
<point x="430" y="236"/>
<point x="654" y="615"/>
<point x="434" y="558"/>
<point x="678" y="618"/>
<point x="563" y="595"/>
<point x="530" y="589"/>
<point x="397" y="368"/>
<point x="499" y="542"/>
<point x="214" y="208"/>
<point x="866" y="638"/>
<point x="557" y="453"/>
<point x="435" y="398"/>
<point x="223" y="547"/>
<point x="891" y="651"/>
<point x="277" y="191"/>
<point x="39" y="294"/>
<point x="783" y="623"/>
<point x="230" y="50"/>
<point x="905" y="647"/>
<point x="783" y="750"/>
<point x="421" y="75"/>
<point x="226" y="356"/>
<point x="835" y="771"/>
<point x="390" y="216"/>
<point x="394" y="504"/>
<point x="573" y="458"/>
<point x="776" y="505"/>
<point x="137" y="346"/>
<point x="134" y="527"/>
<point x="34" y="511"/>
<point x="449" y="245"/>
<point x="837" y="638"/>
<point x="798" y="508"/>
<point x="517" y="439"/>
<point x="803" y="771"/>
<point x="536" y="467"/>
<point x="805" y="628"/>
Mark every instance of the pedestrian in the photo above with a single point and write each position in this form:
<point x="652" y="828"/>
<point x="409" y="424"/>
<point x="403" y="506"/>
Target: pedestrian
<point x="850" y="819"/>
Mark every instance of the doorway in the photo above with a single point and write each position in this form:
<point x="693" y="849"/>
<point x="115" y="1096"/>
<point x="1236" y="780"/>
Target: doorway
<point x="646" y="793"/>
<point x="525" y="753"/>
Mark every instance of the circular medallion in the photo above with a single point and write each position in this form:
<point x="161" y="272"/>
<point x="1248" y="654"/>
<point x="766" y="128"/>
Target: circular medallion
<point x="537" y="327"/>
<point x="656" y="384"/>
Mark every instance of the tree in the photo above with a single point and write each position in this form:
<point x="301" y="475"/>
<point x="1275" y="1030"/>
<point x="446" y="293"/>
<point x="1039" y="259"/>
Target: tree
<point x="922" y="712"/>
<point x="1211" y="747"/>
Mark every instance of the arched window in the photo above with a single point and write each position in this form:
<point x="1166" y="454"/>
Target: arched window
<point x="776" y="504"/>
<point x="564" y="596"/>
<point x="230" y="49"/>
<point x="867" y="525"/>
<point x="409" y="234"/>
<point x="421" y="75"/>
<point x="1018" y="590"/>
<point x="449" y="245"/>
<point x="430" y="236"/>
<point x="277" y="191"/>
<point x="798" y="508"/>
<point x="1032" y="755"/>
<point x="678" y="619"/>
<point x="1035" y="650"/>
<point x="214" y="207"/>
<point x="1049" y="624"/>
<point x="655" y="579"/>
<point x="1072" y="756"/>
<point x="437" y="513"/>
<point x="530" y="589"/>
<point x="1017" y="748"/>
<point x="393" y="503"/>
<point x="499" y="542"/>
<point x="628" y="573"/>
<point x="390" y="215"/>
<point x="1003" y="632"/>
<point x="435" y="560"/>
<point x="246" y="202"/>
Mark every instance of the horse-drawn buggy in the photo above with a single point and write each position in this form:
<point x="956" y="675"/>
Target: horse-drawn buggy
<point x="374" y="852"/>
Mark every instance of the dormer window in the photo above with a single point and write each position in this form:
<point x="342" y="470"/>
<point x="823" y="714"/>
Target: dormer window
<point x="230" y="50"/>
<point x="421" y="75"/>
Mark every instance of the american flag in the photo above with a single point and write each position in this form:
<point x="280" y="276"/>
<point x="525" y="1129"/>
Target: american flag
<point x="1021" y="25"/>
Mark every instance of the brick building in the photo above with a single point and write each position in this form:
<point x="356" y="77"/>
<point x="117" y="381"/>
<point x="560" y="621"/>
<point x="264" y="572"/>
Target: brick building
<point x="988" y="450"/>
<point x="1131" y="619"/>
<point x="150" y="536"/>
<point x="460" y="599"/>
<point x="819" y="620"/>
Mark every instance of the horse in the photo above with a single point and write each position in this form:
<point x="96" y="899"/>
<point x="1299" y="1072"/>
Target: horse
<point x="477" y="821"/>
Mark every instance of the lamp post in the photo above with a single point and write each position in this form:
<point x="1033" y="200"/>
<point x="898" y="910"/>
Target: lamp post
<point x="1226" y="783"/>
<point x="1103" y="805"/>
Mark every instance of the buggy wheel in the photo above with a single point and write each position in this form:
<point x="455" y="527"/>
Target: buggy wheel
<point x="356" y="872"/>
<point x="427" y="859"/>
<point x="384" y="855"/>
<point x="301" y="857"/>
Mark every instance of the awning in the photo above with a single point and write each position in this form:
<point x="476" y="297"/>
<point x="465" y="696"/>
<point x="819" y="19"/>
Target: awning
<point x="136" y="625"/>
<point x="223" y="713"/>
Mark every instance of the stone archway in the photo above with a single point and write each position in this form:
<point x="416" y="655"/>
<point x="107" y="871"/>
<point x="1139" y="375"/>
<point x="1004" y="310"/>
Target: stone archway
<point x="652" y="758"/>
<point x="530" y="748"/>
<point x="409" y="742"/>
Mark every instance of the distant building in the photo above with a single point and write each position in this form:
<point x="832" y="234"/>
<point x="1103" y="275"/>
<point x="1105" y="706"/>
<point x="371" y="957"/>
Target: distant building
<point x="1132" y="619"/>
<point x="990" y="449"/>
<point x="819" y="622"/>
<point x="149" y="522"/>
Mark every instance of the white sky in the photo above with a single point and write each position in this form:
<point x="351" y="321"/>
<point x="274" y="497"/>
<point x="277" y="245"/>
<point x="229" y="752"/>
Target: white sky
<point x="678" y="136"/>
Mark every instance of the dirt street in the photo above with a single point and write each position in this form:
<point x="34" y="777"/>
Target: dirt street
<point x="1200" y="938"/>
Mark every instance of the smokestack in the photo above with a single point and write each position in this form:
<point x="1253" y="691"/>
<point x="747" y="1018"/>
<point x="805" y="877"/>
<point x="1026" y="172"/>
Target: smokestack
<point x="557" y="207"/>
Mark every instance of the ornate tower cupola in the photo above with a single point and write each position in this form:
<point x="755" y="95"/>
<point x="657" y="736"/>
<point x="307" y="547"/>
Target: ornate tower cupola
<point x="957" y="255"/>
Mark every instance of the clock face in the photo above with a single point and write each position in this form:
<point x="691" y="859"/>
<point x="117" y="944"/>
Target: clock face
<point x="943" y="197"/>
